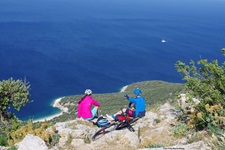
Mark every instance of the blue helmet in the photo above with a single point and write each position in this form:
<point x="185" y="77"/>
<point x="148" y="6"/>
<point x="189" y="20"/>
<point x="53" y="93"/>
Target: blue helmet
<point x="137" y="91"/>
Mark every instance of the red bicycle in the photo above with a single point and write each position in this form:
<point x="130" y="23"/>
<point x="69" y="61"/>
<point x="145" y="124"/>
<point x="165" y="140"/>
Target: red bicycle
<point x="116" y="125"/>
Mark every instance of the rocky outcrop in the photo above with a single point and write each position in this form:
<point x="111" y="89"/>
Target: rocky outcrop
<point x="31" y="142"/>
<point x="77" y="134"/>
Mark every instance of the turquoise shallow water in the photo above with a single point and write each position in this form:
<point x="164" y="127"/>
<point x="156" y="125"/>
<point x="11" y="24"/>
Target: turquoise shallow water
<point x="64" y="47"/>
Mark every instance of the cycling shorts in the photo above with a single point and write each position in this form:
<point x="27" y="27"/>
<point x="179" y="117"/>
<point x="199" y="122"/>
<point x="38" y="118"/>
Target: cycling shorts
<point x="94" y="112"/>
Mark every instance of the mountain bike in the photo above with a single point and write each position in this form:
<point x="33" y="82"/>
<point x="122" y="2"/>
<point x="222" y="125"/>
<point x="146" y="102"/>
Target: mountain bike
<point x="116" y="125"/>
<point x="104" y="130"/>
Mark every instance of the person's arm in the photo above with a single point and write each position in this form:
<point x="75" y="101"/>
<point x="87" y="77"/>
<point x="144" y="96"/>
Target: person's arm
<point x="132" y="100"/>
<point x="96" y="103"/>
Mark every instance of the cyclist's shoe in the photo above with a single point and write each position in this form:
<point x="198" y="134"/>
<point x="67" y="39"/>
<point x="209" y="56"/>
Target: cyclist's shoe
<point x="110" y="117"/>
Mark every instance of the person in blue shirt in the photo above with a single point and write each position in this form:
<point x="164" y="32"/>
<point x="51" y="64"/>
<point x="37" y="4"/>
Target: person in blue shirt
<point x="139" y="105"/>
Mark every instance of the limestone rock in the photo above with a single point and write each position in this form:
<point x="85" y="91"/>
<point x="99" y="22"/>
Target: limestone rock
<point x="31" y="142"/>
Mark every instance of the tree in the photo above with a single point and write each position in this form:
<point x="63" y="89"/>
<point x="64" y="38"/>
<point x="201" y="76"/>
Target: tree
<point x="206" y="82"/>
<point x="13" y="93"/>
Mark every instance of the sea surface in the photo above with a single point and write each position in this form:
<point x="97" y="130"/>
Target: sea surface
<point x="63" y="47"/>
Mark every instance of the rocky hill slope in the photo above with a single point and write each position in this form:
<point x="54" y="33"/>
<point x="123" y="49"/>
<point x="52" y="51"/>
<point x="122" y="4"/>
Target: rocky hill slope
<point x="159" y="129"/>
<point x="154" y="130"/>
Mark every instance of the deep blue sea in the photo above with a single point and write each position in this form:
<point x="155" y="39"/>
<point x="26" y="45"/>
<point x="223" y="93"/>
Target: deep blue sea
<point x="63" y="47"/>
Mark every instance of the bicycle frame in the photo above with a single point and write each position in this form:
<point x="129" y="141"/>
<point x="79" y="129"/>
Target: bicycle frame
<point x="116" y="125"/>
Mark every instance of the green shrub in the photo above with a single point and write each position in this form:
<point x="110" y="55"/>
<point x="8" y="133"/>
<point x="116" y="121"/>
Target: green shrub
<point x="157" y="120"/>
<point x="13" y="148"/>
<point x="217" y="142"/>
<point x="3" y="139"/>
<point x="155" y="146"/>
<point x="205" y="81"/>
<point x="50" y="137"/>
<point x="210" y="117"/>
<point x="180" y="130"/>
<point x="195" y="137"/>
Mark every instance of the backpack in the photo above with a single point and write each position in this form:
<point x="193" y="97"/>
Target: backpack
<point x="102" y="122"/>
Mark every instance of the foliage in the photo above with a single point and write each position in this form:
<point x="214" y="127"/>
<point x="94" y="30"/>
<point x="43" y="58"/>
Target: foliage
<point x="87" y="139"/>
<point x="205" y="81"/>
<point x="180" y="130"/>
<point x="217" y="142"/>
<point x="155" y="146"/>
<point x="54" y="140"/>
<point x="213" y="117"/>
<point x="157" y="121"/>
<point x="70" y="138"/>
<point x="50" y="137"/>
<point x="13" y="148"/>
<point x="7" y="127"/>
<point x="139" y="134"/>
<point x="196" y="136"/>
<point x="3" y="139"/>
<point x="13" y="92"/>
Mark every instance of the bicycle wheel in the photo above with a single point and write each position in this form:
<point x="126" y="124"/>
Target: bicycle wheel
<point x="134" y="120"/>
<point x="127" y="124"/>
<point x="121" y="125"/>
<point x="130" y="128"/>
<point x="104" y="131"/>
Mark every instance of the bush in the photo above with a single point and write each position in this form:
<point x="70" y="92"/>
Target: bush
<point x="155" y="146"/>
<point x="50" y="137"/>
<point x="3" y="139"/>
<point x="157" y="121"/>
<point x="205" y="81"/>
<point x="211" y="117"/>
<point x="180" y="130"/>
<point x="217" y="142"/>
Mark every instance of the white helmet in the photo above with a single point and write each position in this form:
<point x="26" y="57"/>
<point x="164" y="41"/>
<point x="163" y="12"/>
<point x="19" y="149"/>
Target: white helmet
<point x="88" y="92"/>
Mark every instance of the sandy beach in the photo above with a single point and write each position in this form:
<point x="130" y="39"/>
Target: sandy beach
<point x="124" y="88"/>
<point x="57" y="105"/>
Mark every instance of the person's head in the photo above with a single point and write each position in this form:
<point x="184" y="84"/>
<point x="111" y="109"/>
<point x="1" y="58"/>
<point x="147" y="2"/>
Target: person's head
<point x="137" y="91"/>
<point x="88" y="92"/>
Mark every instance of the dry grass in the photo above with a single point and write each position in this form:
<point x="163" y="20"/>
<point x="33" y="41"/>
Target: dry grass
<point x="83" y="122"/>
<point x="157" y="136"/>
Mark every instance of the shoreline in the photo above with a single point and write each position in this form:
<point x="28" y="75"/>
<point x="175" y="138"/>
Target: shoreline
<point x="62" y="109"/>
<point x="123" y="89"/>
<point x="57" y="105"/>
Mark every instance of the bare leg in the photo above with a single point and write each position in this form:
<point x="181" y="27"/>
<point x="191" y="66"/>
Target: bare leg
<point x="120" y="112"/>
<point x="98" y="110"/>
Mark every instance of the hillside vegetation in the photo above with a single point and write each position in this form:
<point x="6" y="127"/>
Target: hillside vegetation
<point x="155" y="93"/>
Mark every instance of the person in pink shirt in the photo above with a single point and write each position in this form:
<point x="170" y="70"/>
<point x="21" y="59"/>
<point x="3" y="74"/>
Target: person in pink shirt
<point x="85" y="106"/>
